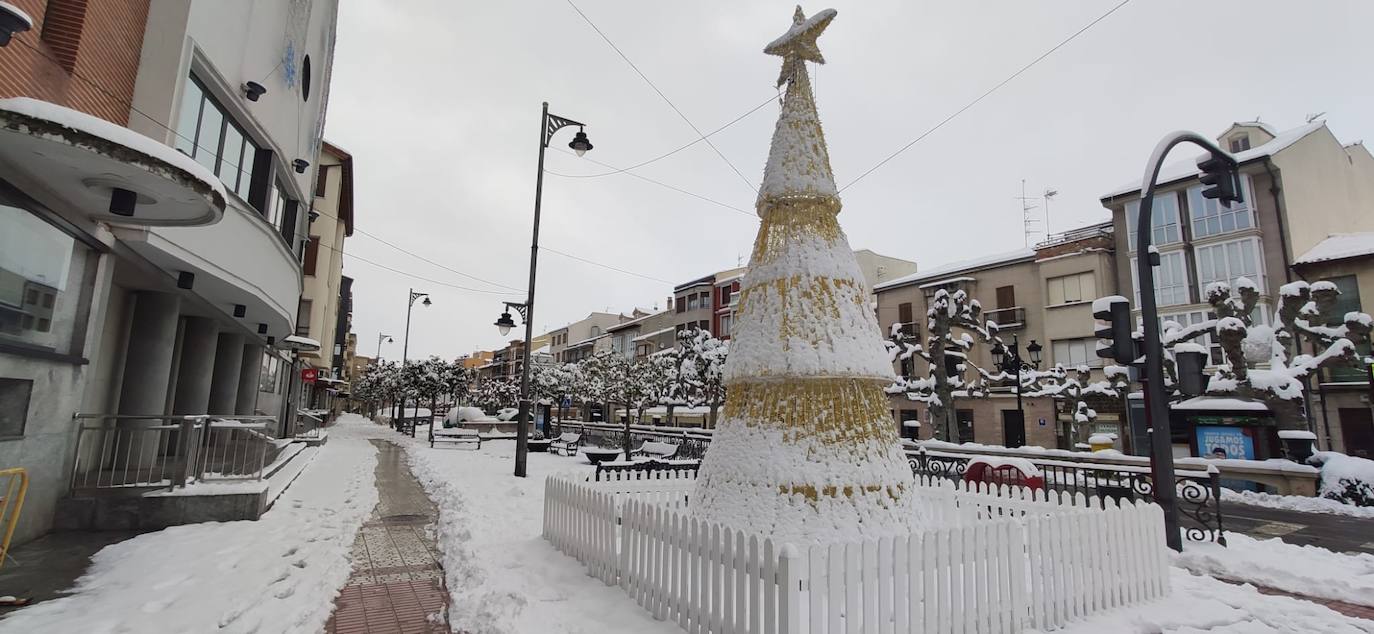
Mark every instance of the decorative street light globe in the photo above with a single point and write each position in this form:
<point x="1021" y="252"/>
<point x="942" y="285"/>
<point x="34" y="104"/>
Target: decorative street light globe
<point x="580" y="144"/>
<point x="504" y="324"/>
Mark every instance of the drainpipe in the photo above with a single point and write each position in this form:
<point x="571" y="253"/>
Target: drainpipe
<point x="1279" y="214"/>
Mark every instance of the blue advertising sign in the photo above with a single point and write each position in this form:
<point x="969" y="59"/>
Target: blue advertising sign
<point x="1225" y="442"/>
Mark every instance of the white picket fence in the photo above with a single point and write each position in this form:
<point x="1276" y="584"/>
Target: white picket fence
<point x="999" y="560"/>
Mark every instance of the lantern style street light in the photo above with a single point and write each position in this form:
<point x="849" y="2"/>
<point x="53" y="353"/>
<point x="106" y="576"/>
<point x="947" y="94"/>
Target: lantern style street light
<point x="405" y="350"/>
<point x="1009" y="360"/>
<point x="548" y="125"/>
<point x="381" y="338"/>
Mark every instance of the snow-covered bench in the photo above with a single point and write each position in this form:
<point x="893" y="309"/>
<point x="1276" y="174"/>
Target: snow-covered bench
<point x="457" y="436"/>
<point x="656" y="449"/>
<point x="567" y="442"/>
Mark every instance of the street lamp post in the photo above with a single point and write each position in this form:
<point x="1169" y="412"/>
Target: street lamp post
<point x="1219" y="180"/>
<point x="405" y="349"/>
<point x="1010" y="359"/>
<point x="381" y="338"/>
<point x="548" y="125"/>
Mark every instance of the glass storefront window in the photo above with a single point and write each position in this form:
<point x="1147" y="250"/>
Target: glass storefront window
<point x="41" y="280"/>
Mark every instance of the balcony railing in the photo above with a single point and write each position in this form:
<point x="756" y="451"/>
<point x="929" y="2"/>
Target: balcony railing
<point x="1008" y="318"/>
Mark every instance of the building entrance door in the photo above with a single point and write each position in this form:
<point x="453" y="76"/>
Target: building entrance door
<point x="1013" y="428"/>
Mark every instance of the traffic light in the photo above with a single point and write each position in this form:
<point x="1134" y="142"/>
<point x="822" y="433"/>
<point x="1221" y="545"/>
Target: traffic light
<point x="1113" y="329"/>
<point x="1219" y="178"/>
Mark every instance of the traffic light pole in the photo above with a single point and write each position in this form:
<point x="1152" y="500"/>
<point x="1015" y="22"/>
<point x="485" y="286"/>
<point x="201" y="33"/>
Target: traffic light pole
<point x="1156" y="408"/>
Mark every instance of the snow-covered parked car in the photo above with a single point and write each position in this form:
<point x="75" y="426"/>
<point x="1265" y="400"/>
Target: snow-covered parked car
<point x="507" y="413"/>
<point x="459" y="415"/>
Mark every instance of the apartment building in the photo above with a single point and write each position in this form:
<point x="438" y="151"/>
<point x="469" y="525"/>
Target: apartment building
<point x="579" y="340"/>
<point x="709" y="302"/>
<point x="644" y="334"/>
<point x="323" y="308"/>
<point x="1301" y="188"/>
<point x="151" y="205"/>
<point x="1042" y="294"/>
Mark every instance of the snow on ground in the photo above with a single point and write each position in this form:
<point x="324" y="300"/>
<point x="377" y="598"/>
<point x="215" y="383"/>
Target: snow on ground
<point x="1308" y="570"/>
<point x="1297" y="503"/>
<point x="277" y="574"/>
<point x="502" y="576"/>
<point x="1203" y="604"/>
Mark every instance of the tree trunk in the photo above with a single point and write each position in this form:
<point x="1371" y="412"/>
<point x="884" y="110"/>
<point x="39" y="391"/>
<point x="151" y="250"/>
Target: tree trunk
<point x="626" y="444"/>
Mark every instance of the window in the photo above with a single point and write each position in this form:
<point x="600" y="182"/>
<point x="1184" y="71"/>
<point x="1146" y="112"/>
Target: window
<point x="321" y="180"/>
<point x="1347" y="302"/>
<point x="1006" y="296"/>
<point x="692" y="302"/>
<point x="704" y="325"/>
<point x="1066" y="289"/>
<point x="905" y="316"/>
<point x="725" y="294"/>
<point x="267" y="378"/>
<point x="1072" y="353"/>
<point x="1240" y="143"/>
<point x="312" y="255"/>
<point x="1211" y="216"/>
<point x="206" y="133"/>
<point x="681" y="304"/>
<point x="42" y="275"/>
<point x="303" y="318"/>
<point x="14" y="406"/>
<point x="1171" y="280"/>
<point x="1227" y="261"/>
<point x="725" y="326"/>
<point x="1185" y="320"/>
<point x="1163" y="220"/>
<point x="596" y="331"/>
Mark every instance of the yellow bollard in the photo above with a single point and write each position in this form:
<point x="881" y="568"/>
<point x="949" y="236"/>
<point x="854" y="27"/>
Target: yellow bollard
<point x="16" y="485"/>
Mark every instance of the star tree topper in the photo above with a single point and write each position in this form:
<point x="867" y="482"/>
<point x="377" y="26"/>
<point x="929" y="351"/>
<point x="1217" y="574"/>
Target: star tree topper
<point x="798" y="44"/>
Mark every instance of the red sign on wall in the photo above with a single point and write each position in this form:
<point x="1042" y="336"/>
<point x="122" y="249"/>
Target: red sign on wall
<point x="308" y="375"/>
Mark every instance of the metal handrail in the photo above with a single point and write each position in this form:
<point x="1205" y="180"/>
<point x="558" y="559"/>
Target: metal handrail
<point x="169" y="454"/>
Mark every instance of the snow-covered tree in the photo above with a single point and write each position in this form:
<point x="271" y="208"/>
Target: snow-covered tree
<point x="700" y="370"/>
<point x="946" y="355"/>
<point x="457" y="380"/>
<point x="553" y="382"/>
<point x="1070" y="386"/>
<point x="497" y="393"/>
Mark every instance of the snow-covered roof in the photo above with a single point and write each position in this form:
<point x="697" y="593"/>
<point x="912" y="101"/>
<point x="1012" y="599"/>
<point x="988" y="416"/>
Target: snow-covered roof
<point x="653" y="334"/>
<point x="948" y="280"/>
<point x="1221" y="403"/>
<point x="960" y="267"/>
<point x="1338" y="247"/>
<point x="1188" y="169"/>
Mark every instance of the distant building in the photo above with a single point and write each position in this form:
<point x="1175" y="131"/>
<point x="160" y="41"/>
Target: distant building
<point x="1302" y="187"/>
<point x="326" y="296"/>
<point x="1042" y="294"/>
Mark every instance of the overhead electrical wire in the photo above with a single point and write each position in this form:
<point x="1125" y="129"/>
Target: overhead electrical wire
<point x="986" y="93"/>
<point x="665" y="98"/>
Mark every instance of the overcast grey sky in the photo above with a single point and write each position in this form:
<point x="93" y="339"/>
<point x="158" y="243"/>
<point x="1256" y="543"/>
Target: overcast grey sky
<point x="438" y="100"/>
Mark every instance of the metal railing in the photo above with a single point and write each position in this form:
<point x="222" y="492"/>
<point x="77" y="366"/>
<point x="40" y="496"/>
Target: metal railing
<point x="1007" y="318"/>
<point x="16" y="486"/>
<point x="116" y="451"/>
<point x="309" y="423"/>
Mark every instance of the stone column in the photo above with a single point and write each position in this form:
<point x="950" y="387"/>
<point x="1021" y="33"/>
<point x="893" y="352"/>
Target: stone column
<point x="148" y="359"/>
<point x="196" y="367"/>
<point x="224" y="386"/>
<point x="150" y="351"/>
<point x="250" y="370"/>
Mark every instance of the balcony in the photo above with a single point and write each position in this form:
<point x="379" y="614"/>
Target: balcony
<point x="1008" y="318"/>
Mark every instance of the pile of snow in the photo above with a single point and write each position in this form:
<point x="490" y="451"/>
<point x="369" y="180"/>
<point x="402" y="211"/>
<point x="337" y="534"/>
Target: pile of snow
<point x="1297" y="503"/>
<point x="1026" y="467"/>
<point x="1345" y="478"/>
<point x="280" y="573"/>
<point x="1307" y="570"/>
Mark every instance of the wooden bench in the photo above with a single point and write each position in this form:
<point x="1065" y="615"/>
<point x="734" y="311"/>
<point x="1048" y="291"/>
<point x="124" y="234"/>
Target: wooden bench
<point x="567" y="443"/>
<point x="656" y="449"/>
<point x="456" y="436"/>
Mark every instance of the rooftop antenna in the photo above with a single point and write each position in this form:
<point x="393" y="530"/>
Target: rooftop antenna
<point x="1045" y="198"/>
<point x="1026" y="220"/>
<point x="1314" y="117"/>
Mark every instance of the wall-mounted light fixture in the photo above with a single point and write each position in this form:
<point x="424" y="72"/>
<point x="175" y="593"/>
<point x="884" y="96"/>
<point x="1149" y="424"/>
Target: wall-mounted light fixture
<point x="186" y="280"/>
<point x="240" y="310"/>
<point x="300" y="165"/>
<point x="252" y="90"/>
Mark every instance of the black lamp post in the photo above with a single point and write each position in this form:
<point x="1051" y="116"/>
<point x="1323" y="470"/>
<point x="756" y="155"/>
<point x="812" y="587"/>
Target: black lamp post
<point x="548" y="125"/>
<point x="1009" y="360"/>
<point x="405" y="349"/>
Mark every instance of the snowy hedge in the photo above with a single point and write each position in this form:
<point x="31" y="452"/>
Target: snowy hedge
<point x="1345" y="478"/>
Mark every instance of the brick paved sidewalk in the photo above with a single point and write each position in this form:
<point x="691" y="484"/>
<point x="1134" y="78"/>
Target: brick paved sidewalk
<point x="1349" y="609"/>
<point x="397" y="583"/>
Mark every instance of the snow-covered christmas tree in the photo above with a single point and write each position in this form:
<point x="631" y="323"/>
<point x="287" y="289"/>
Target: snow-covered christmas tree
<point x="806" y="450"/>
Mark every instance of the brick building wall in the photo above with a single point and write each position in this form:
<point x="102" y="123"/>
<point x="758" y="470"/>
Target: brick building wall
<point x="84" y="57"/>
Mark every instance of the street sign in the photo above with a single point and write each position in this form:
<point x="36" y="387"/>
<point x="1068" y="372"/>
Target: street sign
<point x="308" y="375"/>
